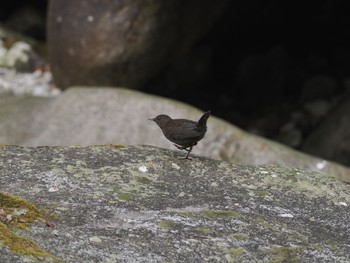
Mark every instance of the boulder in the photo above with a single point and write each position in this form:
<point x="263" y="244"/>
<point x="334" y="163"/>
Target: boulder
<point x="123" y="43"/>
<point x="121" y="203"/>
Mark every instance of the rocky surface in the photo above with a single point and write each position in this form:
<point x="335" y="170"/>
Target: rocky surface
<point x="332" y="139"/>
<point x="36" y="84"/>
<point x="19" y="52"/>
<point x="119" y="203"/>
<point x="88" y="116"/>
<point x="123" y="43"/>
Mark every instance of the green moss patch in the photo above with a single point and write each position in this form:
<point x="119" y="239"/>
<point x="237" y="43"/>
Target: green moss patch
<point x="283" y="254"/>
<point x="204" y="230"/>
<point x="235" y="252"/>
<point x="20" y="244"/>
<point x="168" y="224"/>
<point x="262" y="193"/>
<point x="15" y="212"/>
<point x="126" y="196"/>
<point x="143" y="180"/>
<point x="238" y="236"/>
<point x="119" y="146"/>
<point x="220" y="214"/>
<point x="186" y="214"/>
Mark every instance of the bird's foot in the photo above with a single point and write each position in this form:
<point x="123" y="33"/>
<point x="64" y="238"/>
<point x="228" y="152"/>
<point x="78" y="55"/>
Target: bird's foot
<point x="188" y="149"/>
<point x="188" y="153"/>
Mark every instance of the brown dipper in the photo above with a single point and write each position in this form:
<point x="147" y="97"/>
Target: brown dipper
<point x="184" y="133"/>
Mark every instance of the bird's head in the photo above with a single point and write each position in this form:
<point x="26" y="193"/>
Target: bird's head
<point x="161" y="120"/>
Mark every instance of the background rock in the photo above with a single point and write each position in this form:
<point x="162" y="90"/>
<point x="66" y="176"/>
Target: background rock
<point x="143" y="204"/>
<point x="123" y="43"/>
<point x="88" y="116"/>
<point x="332" y="139"/>
<point x="35" y="84"/>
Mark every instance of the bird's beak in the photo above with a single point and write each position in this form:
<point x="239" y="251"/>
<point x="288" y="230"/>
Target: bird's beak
<point x="151" y="119"/>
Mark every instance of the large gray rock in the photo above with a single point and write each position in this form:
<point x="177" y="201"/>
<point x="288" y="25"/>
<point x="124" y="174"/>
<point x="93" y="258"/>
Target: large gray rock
<point x="143" y="204"/>
<point x="87" y="116"/>
<point x="123" y="43"/>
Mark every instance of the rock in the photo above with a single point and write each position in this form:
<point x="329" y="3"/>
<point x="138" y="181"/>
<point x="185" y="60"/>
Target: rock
<point x="263" y="75"/>
<point x="119" y="203"/>
<point x="19" y="56"/>
<point x="123" y="43"/>
<point x="289" y="135"/>
<point x="28" y="19"/>
<point x="318" y="87"/>
<point x="37" y="83"/>
<point x="331" y="140"/>
<point x="88" y="116"/>
<point x="317" y="108"/>
<point x="19" y="52"/>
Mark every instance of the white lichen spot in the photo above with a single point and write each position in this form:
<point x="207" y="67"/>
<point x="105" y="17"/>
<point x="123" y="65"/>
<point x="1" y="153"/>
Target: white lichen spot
<point x="174" y="165"/>
<point x="264" y="172"/>
<point x="252" y="187"/>
<point x="286" y="215"/>
<point x="274" y="175"/>
<point x="53" y="189"/>
<point x="181" y="194"/>
<point x="90" y="18"/>
<point x="214" y="184"/>
<point x="343" y="203"/>
<point x="321" y="165"/>
<point x="59" y="19"/>
<point x="95" y="239"/>
<point x="20" y="212"/>
<point x="143" y="169"/>
<point x="71" y="51"/>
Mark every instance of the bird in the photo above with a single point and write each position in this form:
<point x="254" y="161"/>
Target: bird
<point x="182" y="132"/>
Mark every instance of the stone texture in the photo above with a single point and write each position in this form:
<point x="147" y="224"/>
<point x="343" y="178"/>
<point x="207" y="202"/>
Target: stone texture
<point x="118" y="203"/>
<point x="331" y="139"/>
<point x="87" y="116"/>
<point x="263" y="75"/>
<point x="19" y="52"/>
<point x="123" y="43"/>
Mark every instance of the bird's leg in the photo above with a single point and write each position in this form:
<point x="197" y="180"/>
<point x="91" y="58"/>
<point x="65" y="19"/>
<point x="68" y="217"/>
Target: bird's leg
<point x="188" y="149"/>
<point x="188" y="153"/>
<point x="181" y="147"/>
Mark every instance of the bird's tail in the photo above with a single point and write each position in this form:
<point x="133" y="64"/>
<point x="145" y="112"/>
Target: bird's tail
<point x="203" y="120"/>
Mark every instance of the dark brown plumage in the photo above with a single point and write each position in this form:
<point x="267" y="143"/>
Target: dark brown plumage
<point x="184" y="133"/>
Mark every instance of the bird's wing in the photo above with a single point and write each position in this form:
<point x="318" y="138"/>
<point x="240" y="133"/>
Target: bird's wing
<point x="184" y="132"/>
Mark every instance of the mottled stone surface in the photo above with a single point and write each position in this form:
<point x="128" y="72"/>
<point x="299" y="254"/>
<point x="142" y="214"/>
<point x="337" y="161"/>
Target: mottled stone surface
<point x="118" y="203"/>
<point x="331" y="139"/>
<point x="123" y="43"/>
